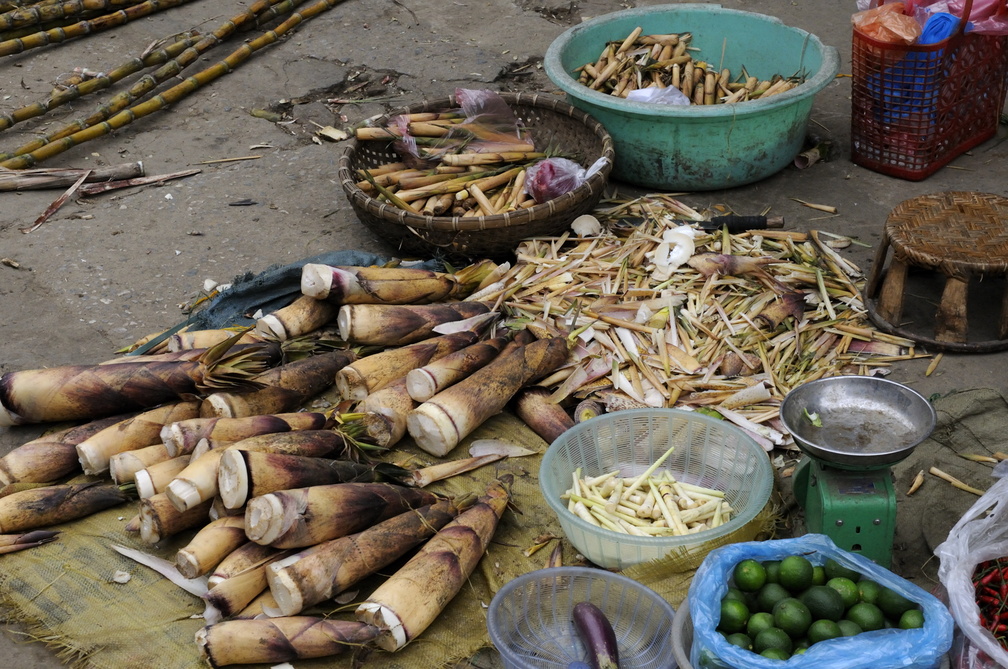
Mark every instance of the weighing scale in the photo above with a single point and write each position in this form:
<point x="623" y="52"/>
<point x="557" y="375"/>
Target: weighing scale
<point x="851" y="430"/>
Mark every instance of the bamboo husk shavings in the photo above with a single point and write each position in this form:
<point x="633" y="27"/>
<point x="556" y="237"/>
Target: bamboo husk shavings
<point x="661" y="333"/>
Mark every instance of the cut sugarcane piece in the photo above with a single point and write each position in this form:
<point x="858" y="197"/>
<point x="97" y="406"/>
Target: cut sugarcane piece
<point x="197" y="483"/>
<point x="305" y="579"/>
<point x="278" y="640"/>
<point x="371" y="373"/>
<point x="413" y="597"/>
<point x="136" y="432"/>
<point x="285" y="388"/>
<point x="441" y="422"/>
<point x="307" y="516"/>
<point x="155" y="478"/>
<point x="181" y="437"/>
<point x="400" y="324"/>
<point x="50" y="505"/>
<point x="211" y="544"/>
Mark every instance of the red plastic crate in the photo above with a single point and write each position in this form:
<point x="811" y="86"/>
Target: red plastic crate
<point x="915" y="108"/>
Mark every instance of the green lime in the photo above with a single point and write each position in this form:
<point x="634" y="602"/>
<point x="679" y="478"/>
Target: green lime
<point x="796" y="573"/>
<point x="892" y="603"/>
<point x="775" y="654"/>
<point x="847" y="588"/>
<point x="867" y="616"/>
<point x="800" y="651"/>
<point x="749" y="575"/>
<point x="868" y="591"/>
<point x="734" y="616"/>
<point x="772" y="570"/>
<point x="835" y="569"/>
<point x="792" y="616"/>
<point x="818" y="575"/>
<point x="823" y="629"/>
<point x="911" y="619"/>
<point x="772" y="638"/>
<point x="735" y="593"/>
<point x="739" y="639"/>
<point x="823" y="602"/>
<point x="758" y="622"/>
<point x="849" y="627"/>
<point x="769" y="595"/>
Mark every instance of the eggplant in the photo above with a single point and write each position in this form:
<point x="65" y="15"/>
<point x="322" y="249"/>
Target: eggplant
<point x="596" y="632"/>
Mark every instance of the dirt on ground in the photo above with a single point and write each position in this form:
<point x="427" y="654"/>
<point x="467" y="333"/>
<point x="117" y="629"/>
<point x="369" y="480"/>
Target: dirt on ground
<point x="105" y="270"/>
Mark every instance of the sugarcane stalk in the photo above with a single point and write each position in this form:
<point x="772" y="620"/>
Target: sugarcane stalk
<point x="12" y="543"/>
<point x="546" y="418"/>
<point x="50" y="505"/>
<point x="133" y="433"/>
<point x="159" y="519"/>
<point x="119" y="119"/>
<point x="412" y="598"/>
<point x="305" y="579"/>
<point x="45" y="12"/>
<point x="424" y="382"/>
<point x="303" y="315"/>
<point x="401" y="324"/>
<point x="211" y="544"/>
<point x="390" y="285"/>
<point x="155" y="478"/>
<point x="51" y="456"/>
<point x="124" y="466"/>
<point x="197" y="483"/>
<point x="244" y="474"/>
<point x="307" y="516"/>
<point x="181" y="437"/>
<point x="285" y="388"/>
<point x="279" y="640"/>
<point x="372" y="373"/>
<point x="61" y="177"/>
<point x="440" y="423"/>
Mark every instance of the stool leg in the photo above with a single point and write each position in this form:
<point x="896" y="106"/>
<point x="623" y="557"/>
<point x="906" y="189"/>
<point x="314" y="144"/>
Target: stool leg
<point x="876" y="269"/>
<point x="1003" y="323"/>
<point x="890" y="302"/>
<point x="951" y="316"/>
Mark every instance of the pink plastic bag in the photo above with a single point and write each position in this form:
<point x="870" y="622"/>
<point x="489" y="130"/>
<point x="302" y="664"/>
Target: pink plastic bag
<point x="887" y="23"/>
<point x="552" y="177"/>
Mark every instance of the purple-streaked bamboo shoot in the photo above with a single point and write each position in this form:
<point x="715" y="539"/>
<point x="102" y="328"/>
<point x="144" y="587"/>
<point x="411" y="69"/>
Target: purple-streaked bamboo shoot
<point x="124" y="466"/>
<point x="278" y="640"/>
<point x="133" y="433"/>
<point x="247" y="556"/>
<point x="303" y="315"/>
<point x="385" y="413"/>
<point x="546" y="418"/>
<point x="400" y="324"/>
<point x="440" y="423"/>
<point x="160" y="519"/>
<point x="425" y="382"/>
<point x="410" y="600"/>
<point x="383" y="285"/>
<point x="12" y="543"/>
<point x="155" y="478"/>
<point x="233" y="594"/>
<point x="51" y="456"/>
<point x="182" y="436"/>
<point x="210" y="545"/>
<point x="307" y="516"/>
<point x="50" y="505"/>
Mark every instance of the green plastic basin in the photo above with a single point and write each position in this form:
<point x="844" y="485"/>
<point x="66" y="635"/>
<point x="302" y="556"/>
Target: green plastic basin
<point x="700" y="147"/>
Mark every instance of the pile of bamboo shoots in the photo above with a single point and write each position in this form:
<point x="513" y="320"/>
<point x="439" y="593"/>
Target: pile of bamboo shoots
<point x="659" y="61"/>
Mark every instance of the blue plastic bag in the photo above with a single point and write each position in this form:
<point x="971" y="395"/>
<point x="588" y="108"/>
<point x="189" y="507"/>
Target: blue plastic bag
<point x="882" y="649"/>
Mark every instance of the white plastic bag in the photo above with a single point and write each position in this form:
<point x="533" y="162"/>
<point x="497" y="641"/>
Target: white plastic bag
<point x="981" y="534"/>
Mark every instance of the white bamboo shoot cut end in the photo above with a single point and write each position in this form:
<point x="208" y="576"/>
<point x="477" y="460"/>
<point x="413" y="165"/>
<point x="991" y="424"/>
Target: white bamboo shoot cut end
<point x="432" y="429"/>
<point x="351" y="385"/>
<point x="343" y="322"/>
<point x="285" y="592"/>
<point x="183" y="494"/>
<point x="92" y="461"/>
<point x="8" y="418"/>
<point x="420" y="384"/>
<point x="149" y="530"/>
<point x="393" y="636"/>
<point x="171" y="437"/>
<point x="124" y="466"/>
<point x="269" y="327"/>
<point x="232" y="479"/>
<point x="220" y="405"/>
<point x="144" y="484"/>
<point x="316" y="280"/>
<point x="187" y="564"/>
<point x="264" y="519"/>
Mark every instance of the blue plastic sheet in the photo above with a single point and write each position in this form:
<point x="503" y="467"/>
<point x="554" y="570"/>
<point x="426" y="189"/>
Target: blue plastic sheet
<point x="882" y="649"/>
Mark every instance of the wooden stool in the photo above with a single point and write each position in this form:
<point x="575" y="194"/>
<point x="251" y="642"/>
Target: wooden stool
<point x="959" y="235"/>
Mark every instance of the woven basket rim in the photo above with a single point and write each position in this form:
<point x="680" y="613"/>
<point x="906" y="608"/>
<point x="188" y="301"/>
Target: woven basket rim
<point x="543" y="211"/>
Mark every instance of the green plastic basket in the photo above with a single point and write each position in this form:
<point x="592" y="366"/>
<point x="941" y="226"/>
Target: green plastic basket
<point x="700" y="147"/>
<point x="708" y="452"/>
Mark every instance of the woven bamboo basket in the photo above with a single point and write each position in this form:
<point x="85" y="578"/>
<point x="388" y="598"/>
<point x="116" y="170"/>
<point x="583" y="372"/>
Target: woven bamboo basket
<point x="553" y="124"/>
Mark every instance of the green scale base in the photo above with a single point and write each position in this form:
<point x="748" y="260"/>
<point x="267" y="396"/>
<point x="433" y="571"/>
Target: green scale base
<point x="854" y="508"/>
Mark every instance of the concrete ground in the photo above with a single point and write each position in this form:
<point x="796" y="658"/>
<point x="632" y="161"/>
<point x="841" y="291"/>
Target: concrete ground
<point x="106" y="270"/>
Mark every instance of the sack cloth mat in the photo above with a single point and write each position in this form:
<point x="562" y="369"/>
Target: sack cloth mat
<point x="64" y="595"/>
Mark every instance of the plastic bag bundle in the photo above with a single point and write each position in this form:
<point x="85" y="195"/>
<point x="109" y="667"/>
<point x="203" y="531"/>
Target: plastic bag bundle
<point x="882" y="649"/>
<point x="981" y="534"/>
<point x="887" y="23"/>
